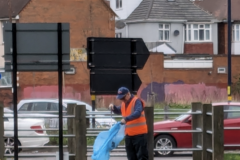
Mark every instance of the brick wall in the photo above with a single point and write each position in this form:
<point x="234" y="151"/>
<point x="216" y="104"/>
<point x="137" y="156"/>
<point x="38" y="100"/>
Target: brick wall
<point x="86" y="17"/>
<point x="5" y="96"/>
<point x="37" y="84"/>
<point x="198" y="48"/>
<point x="222" y="38"/>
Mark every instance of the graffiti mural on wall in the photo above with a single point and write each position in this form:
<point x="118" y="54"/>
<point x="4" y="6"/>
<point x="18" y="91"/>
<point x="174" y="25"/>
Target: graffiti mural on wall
<point x="50" y="92"/>
<point x="181" y="93"/>
<point x="158" y="89"/>
<point x="78" y="54"/>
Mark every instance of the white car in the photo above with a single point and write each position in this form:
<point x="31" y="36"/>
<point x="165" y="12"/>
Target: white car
<point x="33" y="125"/>
<point x="42" y="105"/>
<point x="101" y="122"/>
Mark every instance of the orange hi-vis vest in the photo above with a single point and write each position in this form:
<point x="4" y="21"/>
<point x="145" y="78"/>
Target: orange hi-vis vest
<point x="136" y="126"/>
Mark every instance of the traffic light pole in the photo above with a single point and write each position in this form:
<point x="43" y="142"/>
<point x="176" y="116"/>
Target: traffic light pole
<point x="93" y="98"/>
<point x="229" y="51"/>
<point x="14" y="85"/>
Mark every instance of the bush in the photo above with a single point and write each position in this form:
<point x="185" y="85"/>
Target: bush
<point x="172" y="105"/>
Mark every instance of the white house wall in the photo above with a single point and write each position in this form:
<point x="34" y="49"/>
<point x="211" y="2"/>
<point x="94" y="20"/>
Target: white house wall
<point x="188" y="64"/>
<point x="128" y="6"/>
<point x="123" y="31"/>
<point x="215" y="38"/>
<point x="1" y="46"/>
<point x="150" y="33"/>
<point x="236" y="48"/>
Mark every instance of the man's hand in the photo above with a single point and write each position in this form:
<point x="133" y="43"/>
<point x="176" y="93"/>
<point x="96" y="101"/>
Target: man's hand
<point x="123" y="121"/>
<point x="111" y="107"/>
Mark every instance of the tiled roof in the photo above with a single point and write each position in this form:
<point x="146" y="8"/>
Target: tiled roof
<point x="169" y="10"/>
<point x="16" y="7"/>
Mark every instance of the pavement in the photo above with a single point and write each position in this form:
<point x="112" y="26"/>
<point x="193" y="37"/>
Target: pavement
<point x="177" y="156"/>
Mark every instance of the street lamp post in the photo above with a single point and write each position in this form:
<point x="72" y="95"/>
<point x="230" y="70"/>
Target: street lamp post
<point x="229" y="51"/>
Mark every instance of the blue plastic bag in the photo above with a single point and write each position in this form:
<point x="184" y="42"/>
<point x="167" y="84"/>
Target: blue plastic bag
<point x="106" y="141"/>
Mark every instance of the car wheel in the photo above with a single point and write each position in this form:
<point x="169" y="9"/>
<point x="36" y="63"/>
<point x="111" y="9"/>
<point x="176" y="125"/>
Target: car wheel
<point x="164" y="142"/>
<point x="9" y="142"/>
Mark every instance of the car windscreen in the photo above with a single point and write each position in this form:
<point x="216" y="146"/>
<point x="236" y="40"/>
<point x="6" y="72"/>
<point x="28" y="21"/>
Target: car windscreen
<point x="182" y="117"/>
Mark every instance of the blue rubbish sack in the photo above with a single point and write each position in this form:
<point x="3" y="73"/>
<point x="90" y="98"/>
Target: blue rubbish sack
<point x="106" y="141"/>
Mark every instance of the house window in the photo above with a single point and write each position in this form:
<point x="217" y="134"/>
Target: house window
<point x="236" y="33"/>
<point x="118" y="4"/>
<point x="118" y="35"/>
<point x="198" y="32"/>
<point x="6" y="80"/>
<point x="164" y="30"/>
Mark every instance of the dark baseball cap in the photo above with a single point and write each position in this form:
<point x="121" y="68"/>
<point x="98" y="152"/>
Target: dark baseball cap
<point x="122" y="92"/>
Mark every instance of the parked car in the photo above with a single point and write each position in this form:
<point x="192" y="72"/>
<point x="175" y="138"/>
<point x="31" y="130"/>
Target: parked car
<point x="34" y="125"/>
<point x="183" y="122"/>
<point x="34" y="105"/>
<point x="101" y="122"/>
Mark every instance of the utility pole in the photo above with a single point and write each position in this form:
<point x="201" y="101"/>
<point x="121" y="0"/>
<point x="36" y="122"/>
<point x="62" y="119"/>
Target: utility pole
<point x="229" y="51"/>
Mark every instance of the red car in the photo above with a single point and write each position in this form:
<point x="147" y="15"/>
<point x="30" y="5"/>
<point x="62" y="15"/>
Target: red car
<point x="183" y="122"/>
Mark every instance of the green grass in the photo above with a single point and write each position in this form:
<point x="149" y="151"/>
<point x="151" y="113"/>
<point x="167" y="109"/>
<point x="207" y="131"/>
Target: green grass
<point x="231" y="156"/>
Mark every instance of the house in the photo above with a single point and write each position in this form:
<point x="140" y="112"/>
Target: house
<point x="86" y="18"/>
<point x="172" y="27"/>
<point x="7" y="11"/>
<point x="123" y="8"/>
<point x="219" y="10"/>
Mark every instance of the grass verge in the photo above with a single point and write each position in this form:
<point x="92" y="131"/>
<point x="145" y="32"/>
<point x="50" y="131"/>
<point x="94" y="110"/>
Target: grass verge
<point x="231" y="156"/>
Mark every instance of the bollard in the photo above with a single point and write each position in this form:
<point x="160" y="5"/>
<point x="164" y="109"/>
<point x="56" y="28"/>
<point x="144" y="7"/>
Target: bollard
<point x="218" y="133"/>
<point x="149" y="118"/>
<point x="71" y="144"/>
<point x="166" y="110"/>
<point x="1" y="133"/>
<point x="80" y="132"/>
<point x="197" y="123"/>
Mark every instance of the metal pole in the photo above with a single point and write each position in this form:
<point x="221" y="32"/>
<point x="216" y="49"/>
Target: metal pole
<point x="1" y="132"/>
<point x="14" y="84"/>
<point x="93" y="97"/>
<point x="229" y="51"/>
<point x="60" y="91"/>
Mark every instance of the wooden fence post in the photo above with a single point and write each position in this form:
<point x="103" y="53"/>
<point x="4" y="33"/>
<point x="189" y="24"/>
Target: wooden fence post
<point x="218" y="133"/>
<point x="197" y="123"/>
<point x="1" y="133"/>
<point x="71" y="144"/>
<point x="207" y="154"/>
<point x="149" y="114"/>
<point x="80" y="132"/>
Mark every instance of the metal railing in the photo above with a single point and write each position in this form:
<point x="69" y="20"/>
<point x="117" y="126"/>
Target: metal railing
<point x="202" y="135"/>
<point x="93" y="132"/>
<point x="74" y="113"/>
<point x="207" y="132"/>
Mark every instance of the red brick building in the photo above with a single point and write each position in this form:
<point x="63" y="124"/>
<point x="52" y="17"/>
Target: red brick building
<point x="86" y="17"/>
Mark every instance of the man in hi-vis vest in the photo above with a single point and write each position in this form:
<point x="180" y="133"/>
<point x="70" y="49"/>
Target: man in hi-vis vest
<point x="132" y="110"/>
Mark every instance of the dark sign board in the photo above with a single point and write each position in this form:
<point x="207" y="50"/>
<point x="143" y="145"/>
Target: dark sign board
<point x="125" y="53"/>
<point x="37" y="46"/>
<point x="108" y="81"/>
<point x="113" y="63"/>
